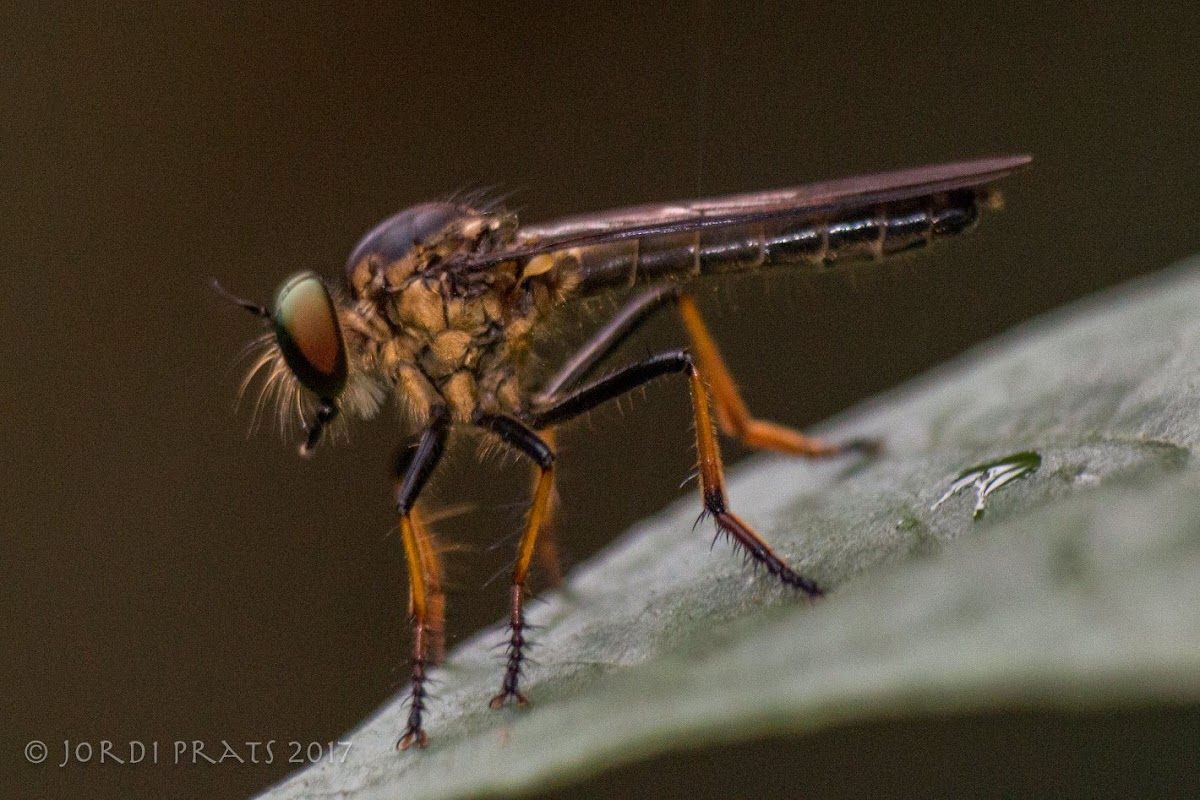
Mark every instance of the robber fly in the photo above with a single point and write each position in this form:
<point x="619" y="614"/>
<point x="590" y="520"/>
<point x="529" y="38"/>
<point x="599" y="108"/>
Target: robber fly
<point x="442" y="304"/>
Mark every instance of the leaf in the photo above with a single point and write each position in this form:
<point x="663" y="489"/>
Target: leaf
<point x="1077" y="587"/>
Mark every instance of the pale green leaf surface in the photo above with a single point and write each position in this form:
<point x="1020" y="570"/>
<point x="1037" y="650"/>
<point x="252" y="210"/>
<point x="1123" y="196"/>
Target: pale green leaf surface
<point x="1077" y="586"/>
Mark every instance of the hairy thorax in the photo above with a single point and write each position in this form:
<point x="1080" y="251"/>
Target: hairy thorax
<point x="436" y="333"/>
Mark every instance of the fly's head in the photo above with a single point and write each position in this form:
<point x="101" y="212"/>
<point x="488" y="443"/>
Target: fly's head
<point x="307" y="366"/>
<point x="323" y="356"/>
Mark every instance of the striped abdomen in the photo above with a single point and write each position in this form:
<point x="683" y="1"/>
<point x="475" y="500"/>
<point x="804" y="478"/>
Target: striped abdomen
<point x="807" y="238"/>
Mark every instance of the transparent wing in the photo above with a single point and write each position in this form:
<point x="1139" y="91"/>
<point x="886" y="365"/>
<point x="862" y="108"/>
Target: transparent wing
<point x="732" y="210"/>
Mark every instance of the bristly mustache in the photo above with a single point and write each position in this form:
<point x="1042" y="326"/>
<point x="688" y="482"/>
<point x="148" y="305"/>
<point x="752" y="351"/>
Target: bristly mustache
<point x="278" y="387"/>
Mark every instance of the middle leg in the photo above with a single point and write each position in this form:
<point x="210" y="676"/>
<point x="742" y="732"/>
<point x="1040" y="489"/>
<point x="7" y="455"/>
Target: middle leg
<point x="516" y="435"/>
<point x="547" y="540"/>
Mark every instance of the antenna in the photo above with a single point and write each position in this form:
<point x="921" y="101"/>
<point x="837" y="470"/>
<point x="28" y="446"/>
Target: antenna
<point x="253" y="308"/>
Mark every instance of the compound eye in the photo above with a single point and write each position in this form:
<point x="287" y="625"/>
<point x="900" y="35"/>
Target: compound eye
<point x="310" y="338"/>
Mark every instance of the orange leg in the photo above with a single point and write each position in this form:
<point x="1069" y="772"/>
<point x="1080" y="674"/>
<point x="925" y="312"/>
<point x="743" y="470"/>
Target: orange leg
<point x="712" y="493"/>
<point x="435" y="596"/>
<point x="510" y="688"/>
<point x="547" y="544"/>
<point x="732" y="414"/>
<point x="712" y="478"/>
<point x="426" y="606"/>
<point x="426" y="603"/>
<point x="524" y="439"/>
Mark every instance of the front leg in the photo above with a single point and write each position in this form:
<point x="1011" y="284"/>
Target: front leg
<point x="517" y="435"/>
<point x="425" y="599"/>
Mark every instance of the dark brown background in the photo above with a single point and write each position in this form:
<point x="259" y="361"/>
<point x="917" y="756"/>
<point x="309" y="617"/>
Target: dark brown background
<point x="167" y="578"/>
